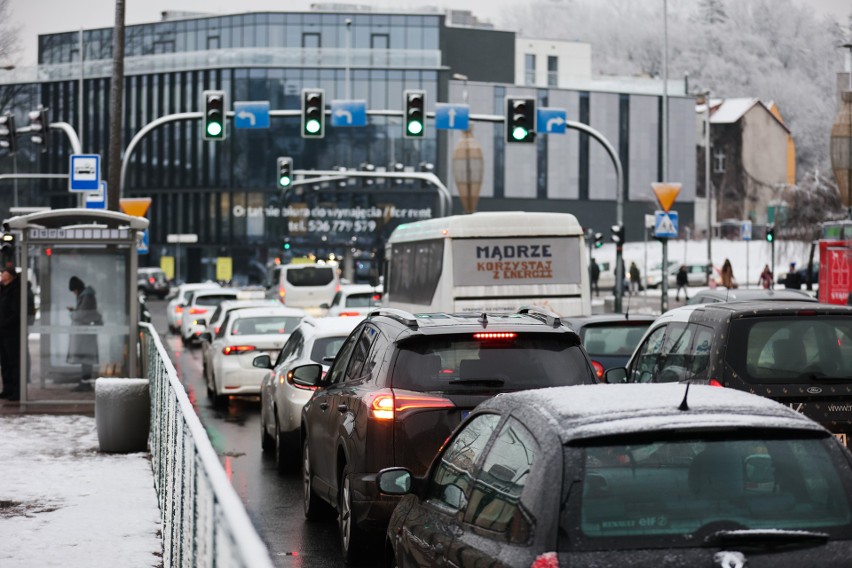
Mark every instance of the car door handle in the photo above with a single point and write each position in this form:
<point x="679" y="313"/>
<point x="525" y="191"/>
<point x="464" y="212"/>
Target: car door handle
<point x="323" y="405"/>
<point x="342" y="408"/>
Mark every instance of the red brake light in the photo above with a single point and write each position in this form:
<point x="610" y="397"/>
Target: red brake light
<point x="281" y="293"/>
<point x="217" y="329"/>
<point x="194" y="310"/>
<point x="495" y="335"/>
<point x="806" y="313"/>
<point x="151" y="280"/>
<point x="377" y="297"/>
<point x="599" y="370"/>
<point x="388" y="404"/>
<point x="352" y="314"/>
<point x="715" y="383"/>
<point x="232" y="349"/>
<point x="178" y="309"/>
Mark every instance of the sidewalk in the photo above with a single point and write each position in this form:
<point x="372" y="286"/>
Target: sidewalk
<point x="63" y="503"/>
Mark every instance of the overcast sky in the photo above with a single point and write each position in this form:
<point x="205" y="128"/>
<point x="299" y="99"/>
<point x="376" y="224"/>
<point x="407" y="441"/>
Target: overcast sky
<point x="47" y="16"/>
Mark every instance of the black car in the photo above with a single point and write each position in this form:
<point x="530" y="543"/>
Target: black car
<point x="152" y="282"/>
<point x="797" y="353"/>
<point x="712" y="296"/>
<point x="627" y="475"/>
<point x="399" y="386"/>
<point x="610" y="339"/>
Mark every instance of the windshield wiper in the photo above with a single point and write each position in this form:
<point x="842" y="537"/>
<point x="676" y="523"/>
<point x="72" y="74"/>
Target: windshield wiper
<point x="766" y="538"/>
<point x="479" y="381"/>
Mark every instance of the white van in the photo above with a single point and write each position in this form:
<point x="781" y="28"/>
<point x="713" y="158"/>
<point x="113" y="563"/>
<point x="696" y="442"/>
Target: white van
<point x="308" y="285"/>
<point x="497" y="261"/>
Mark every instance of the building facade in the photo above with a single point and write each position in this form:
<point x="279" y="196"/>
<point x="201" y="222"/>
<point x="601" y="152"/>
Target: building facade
<point x="225" y="192"/>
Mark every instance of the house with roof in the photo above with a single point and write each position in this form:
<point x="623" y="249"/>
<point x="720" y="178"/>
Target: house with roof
<point x="752" y="158"/>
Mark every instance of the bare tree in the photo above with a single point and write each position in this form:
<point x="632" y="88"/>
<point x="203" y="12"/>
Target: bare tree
<point x="10" y="44"/>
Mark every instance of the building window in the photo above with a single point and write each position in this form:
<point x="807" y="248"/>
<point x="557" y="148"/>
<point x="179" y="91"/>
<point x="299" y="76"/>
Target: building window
<point x="552" y="71"/>
<point x="310" y="40"/>
<point x="719" y="161"/>
<point x="529" y="69"/>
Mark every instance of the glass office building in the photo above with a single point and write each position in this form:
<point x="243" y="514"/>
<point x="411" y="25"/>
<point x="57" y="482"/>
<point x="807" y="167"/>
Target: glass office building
<point x="225" y="192"/>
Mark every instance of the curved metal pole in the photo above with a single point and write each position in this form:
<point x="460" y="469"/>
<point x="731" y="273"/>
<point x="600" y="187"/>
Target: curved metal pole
<point x="69" y="131"/>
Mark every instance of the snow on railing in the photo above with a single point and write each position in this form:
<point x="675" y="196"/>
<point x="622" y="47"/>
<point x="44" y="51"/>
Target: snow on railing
<point x="204" y="522"/>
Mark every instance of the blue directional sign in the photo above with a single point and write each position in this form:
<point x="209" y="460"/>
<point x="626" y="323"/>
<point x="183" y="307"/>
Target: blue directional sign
<point x="349" y="113"/>
<point x="251" y="114"/>
<point x="84" y="172"/>
<point x="551" y="120"/>
<point x="142" y="243"/>
<point x="98" y="199"/>
<point x="665" y="224"/>
<point x="451" y="116"/>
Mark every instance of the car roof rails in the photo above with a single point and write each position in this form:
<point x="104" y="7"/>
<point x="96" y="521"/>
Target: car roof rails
<point x="546" y="316"/>
<point x="403" y="317"/>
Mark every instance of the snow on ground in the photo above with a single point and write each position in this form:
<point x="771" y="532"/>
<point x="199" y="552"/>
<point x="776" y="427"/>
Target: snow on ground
<point x="63" y="503"/>
<point x="759" y="254"/>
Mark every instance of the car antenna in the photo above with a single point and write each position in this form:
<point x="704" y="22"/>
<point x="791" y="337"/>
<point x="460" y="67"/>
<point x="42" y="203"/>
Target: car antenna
<point x="627" y="308"/>
<point x="683" y="405"/>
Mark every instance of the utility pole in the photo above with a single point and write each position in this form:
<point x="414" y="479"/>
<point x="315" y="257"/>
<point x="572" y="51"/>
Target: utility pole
<point x="116" y="94"/>
<point x="707" y="191"/>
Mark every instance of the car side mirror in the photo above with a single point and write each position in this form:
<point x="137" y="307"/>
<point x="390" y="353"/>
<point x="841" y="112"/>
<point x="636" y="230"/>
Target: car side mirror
<point x="324" y="306"/>
<point x="200" y="321"/>
<point x="262" y="362"/>
<point x="205" y="336"/>
<point x="394" y="481"/>
<point x="307" y="375"/>
<point x="616" y="375"/>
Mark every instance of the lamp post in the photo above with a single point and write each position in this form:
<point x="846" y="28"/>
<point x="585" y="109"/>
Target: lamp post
<point x="707" y="191"/>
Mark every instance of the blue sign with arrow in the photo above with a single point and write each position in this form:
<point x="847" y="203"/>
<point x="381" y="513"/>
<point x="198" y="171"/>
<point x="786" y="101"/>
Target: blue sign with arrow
<point x="451" y="116"/>
<point x="665" y="224"/>
<point x="251" y="114"/>
<point x="349" y="113"/>
<point x="551" y="120"/>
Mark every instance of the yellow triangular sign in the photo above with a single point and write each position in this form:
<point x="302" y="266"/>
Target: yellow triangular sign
<point x="135" y="206"/>
<point x="666" y="194"/>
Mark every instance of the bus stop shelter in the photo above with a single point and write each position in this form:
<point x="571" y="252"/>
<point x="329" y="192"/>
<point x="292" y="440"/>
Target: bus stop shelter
<point x="81" y="267"/>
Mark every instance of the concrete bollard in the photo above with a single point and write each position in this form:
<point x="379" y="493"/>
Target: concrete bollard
<point x="122" y="414"/>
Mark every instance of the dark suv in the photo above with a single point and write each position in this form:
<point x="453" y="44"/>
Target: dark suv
<point x="399" y="386"/>
<point x="798" y="353"/>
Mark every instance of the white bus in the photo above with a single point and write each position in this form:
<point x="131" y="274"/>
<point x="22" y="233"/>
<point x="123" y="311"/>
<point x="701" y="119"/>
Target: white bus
<point x="489" y="262"/>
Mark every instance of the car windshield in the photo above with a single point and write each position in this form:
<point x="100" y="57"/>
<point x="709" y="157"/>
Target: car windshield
<point x="468" y="361"/>
<point x="310" y="276"/>
<point x="793" y="348"/>
<point x="266" y="325"/>
<point x="613" y="339"/>
<point x="364" y="300"/>
<point x="325" y="347"/>
<point x="680" y="491"/>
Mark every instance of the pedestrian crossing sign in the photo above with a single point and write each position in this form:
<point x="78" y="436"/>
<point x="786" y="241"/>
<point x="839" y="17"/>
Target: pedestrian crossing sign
<point x="665" y="224"/>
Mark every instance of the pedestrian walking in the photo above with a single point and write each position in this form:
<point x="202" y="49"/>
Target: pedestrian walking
<point x="10" y="333"/>
<point x="83" y="347"/>
<point x="727" y="275"/>
<point x="596" y="274"/>
<point x="635" y="278"/>
<point x="682" y="281"/>
<point x="765" y="279"/>
<point x="793" y="279"/>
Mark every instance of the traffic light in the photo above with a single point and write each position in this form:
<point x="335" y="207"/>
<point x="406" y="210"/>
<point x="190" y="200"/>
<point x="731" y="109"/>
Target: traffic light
<point x="598" y="240"/>
<point x="618" y="234"/>
<point x="520" y="120"/>
<point x="8" y="132"/>
<point x="214" y="115"/>
<point x="415" y="114"/>
<point x="287" y="244"/>
<point x="38" y="127"/>
<point x="285" y="173"/>
<point x="313" y="113"/>
<point x="770" y="233"/>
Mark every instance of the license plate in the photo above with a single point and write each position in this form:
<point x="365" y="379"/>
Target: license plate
<point x="842" y="438"/>
<point x="465" y="414"/>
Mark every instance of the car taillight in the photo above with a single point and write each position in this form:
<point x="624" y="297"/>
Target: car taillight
<point x="388" y="404"/>
<point x="151" y="280"/>
<point x="217" y="329"/>
<point x="349" y="314"/>
<point x="178" y="309"/>
<point x="281" y="292"/>
<point x="193" y="310"/>
<point x="338" y="288"/>
<point x="806" y="313"/>
<point x="495" y="335"/>
<point x="236" y="349"/>
<point x="715" y="383"/>
<point x="377" y="297"/>
<point x="599" y="370"/>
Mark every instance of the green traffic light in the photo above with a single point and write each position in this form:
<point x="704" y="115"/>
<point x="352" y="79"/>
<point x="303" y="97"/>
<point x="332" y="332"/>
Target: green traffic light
<point x="214" y="129"/>
<point x="519" y="133"/>
<point x="415" y="127"/>
<point x="286" y="246"/>
<point x="312" y="126"/>
<point x="284" y="181"/>
<point x="769" y="238"/>
<point x="598" y="245"/>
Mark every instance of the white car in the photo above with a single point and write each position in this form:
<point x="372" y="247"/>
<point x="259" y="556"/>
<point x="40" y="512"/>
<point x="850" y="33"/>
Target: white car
<point x="307" y="285"/>
<point x="174" y="310"/>
<point x="243" y="335"/>
<point x="199" y="306"/>
<point x="354" y="300"/>
<point x="281" y="401"/>
<point x="654" y="277"/>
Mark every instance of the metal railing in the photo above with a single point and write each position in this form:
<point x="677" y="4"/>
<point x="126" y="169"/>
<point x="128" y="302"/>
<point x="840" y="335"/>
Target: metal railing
<point x="204" y="522"/>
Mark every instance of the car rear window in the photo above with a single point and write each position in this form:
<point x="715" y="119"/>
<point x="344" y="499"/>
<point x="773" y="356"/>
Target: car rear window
<point x="795" y="348"/>
<point x="212" y="299"/>
<point x="326" y="347"/>
<point x="310" y="276"/>
<point x="613" y="339"/>
<point x="464" y="362"/>
<point x="364" y="300"/>
<point x="266" y="325"/>
<point x="681" y="491"/>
